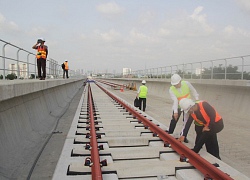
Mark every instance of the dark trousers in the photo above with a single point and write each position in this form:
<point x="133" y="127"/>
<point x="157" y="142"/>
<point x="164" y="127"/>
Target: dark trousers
<point x="173" y="122"/>
<point x="142" y="102"/>
<point x="41" y="65"/>
<point x="67" y="75"/>
<point x="209" y="138"/>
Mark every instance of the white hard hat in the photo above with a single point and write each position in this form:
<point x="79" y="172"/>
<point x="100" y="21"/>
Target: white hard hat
<point x="186" y="104"/>
<point x="41" y="38"/>
<point x="143" y="82"/>
<point x="175" y="79"/>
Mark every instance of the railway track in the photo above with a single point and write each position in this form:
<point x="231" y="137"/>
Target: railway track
<point x="110" y="139"/>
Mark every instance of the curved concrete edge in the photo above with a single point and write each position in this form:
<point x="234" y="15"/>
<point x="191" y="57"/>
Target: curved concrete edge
<point x="226" y="82"/>
<point x="27" y="117"/>
<point x="230" y="97"/>
<point x="14" y="88"/>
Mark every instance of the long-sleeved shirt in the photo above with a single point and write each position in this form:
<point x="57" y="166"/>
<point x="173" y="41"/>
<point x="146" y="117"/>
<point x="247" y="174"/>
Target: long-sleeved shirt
<point x="210" y="111"/>
<point x="193" y="93"/>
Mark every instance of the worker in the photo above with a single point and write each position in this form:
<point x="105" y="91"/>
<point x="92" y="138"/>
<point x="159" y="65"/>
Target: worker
<point x="208" y="123"/>
<point x="180" y="89"/>
<point x="142" y="95"/>
<point x="66" y="69"/>
<point x="41" y="56"/>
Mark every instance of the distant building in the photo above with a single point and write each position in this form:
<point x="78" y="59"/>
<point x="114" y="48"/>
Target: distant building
<point x="126" y="71"/>
<point x="21" y="71"/>
<point x="198" y="71"/>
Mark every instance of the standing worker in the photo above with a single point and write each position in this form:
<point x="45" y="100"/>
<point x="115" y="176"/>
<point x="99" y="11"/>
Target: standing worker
<point x="180" y="89"/>
<point x="142" y="94"/>
<point x="41" y="56"/>
<point x="66" y="69"/>
<point x="207" y="122"/>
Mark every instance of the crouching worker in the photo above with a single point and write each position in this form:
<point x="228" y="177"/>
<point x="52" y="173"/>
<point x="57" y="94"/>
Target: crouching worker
<point x="207" y="124"/>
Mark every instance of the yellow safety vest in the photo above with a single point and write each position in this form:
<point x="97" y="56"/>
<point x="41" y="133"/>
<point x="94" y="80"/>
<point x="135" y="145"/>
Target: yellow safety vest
<point x="143" y="91"/>
<point x="185" y="91"/>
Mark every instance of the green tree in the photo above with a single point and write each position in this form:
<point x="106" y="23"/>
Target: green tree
<point x="32" y="76"/>
<point x="11" y="76"/>
<point x="219" y="72"/>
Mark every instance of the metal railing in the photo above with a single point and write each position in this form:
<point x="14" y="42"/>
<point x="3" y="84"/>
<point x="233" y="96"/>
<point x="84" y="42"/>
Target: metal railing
<point x="237" y="68"/>
<point x="23" y="63"/>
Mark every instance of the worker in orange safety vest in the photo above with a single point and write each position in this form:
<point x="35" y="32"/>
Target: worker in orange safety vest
<point x="41" y="56"/>
<point x="66" y="69"/>
<point x="207" y="122"/>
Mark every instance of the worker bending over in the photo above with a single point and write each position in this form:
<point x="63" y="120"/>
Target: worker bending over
<point x="207" y="124"/>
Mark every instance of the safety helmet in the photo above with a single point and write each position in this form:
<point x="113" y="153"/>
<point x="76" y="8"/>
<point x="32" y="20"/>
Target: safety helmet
<point x="175" y="79"/>
<point x="143" y="82"/>
<point x="41" y="39"/>
<point x="186" y="104"/>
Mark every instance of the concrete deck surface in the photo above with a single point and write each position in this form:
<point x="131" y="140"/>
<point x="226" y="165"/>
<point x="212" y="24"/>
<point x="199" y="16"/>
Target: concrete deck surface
<point x="231" y="101"/>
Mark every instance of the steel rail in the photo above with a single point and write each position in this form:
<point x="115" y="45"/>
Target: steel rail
<point x="206" y="168"/>
<point x="95" y="158"/>
<point x="109" y="83"/>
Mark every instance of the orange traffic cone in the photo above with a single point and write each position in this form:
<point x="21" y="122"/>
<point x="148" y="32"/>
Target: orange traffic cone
<point x="121" y="89"/>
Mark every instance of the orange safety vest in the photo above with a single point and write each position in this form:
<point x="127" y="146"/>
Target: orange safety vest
<point x="205" y="116"/>
<point x="66" y="66"/>
<point x="41" y="52"/>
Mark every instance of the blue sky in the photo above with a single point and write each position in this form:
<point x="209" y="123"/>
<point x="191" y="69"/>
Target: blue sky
<point x="107" y="35"/>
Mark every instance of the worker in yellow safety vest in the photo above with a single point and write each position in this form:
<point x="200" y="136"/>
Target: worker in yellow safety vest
<point x="180" y="89"/>
<point x="142" y="95"/>
<point x="41" y="56"/>
<point x="207" y="122"/>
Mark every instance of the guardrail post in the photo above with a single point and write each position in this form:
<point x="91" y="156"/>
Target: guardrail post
<point x="4" y="60"/>
<point x="242" y="68"/>
<point x="17" y="63"/>
<point x="191" y="70"/>
<point x="212" y="70"/>
<point x="201" y="69"/>
<point x="225" y="69"/>
<point x="28" y="65"/>
<point x="183" y="69"/>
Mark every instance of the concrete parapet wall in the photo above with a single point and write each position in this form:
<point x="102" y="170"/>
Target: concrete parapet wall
<point x="230" y="97"/>
<point x="29" y="112"/>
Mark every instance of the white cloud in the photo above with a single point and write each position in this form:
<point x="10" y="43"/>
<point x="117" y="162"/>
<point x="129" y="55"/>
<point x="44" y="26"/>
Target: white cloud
<point x="200" y="20"/>
<point x="7" y="26"/>
<point x="38" y="31"/>
<point x="233" y="32"/>
<point x="145" y="40"/>
<point x="109" y="8"/>
<point x="110" y="36"/>
<point x="146" y="17"/>
<point x="2" y="19"/>
<point x="229" y="30"/>
<point x="244" y="4"/>
<point x="163" y="32"/>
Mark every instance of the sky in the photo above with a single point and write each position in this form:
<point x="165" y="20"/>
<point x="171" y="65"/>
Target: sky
<point x="108" y="35"/>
